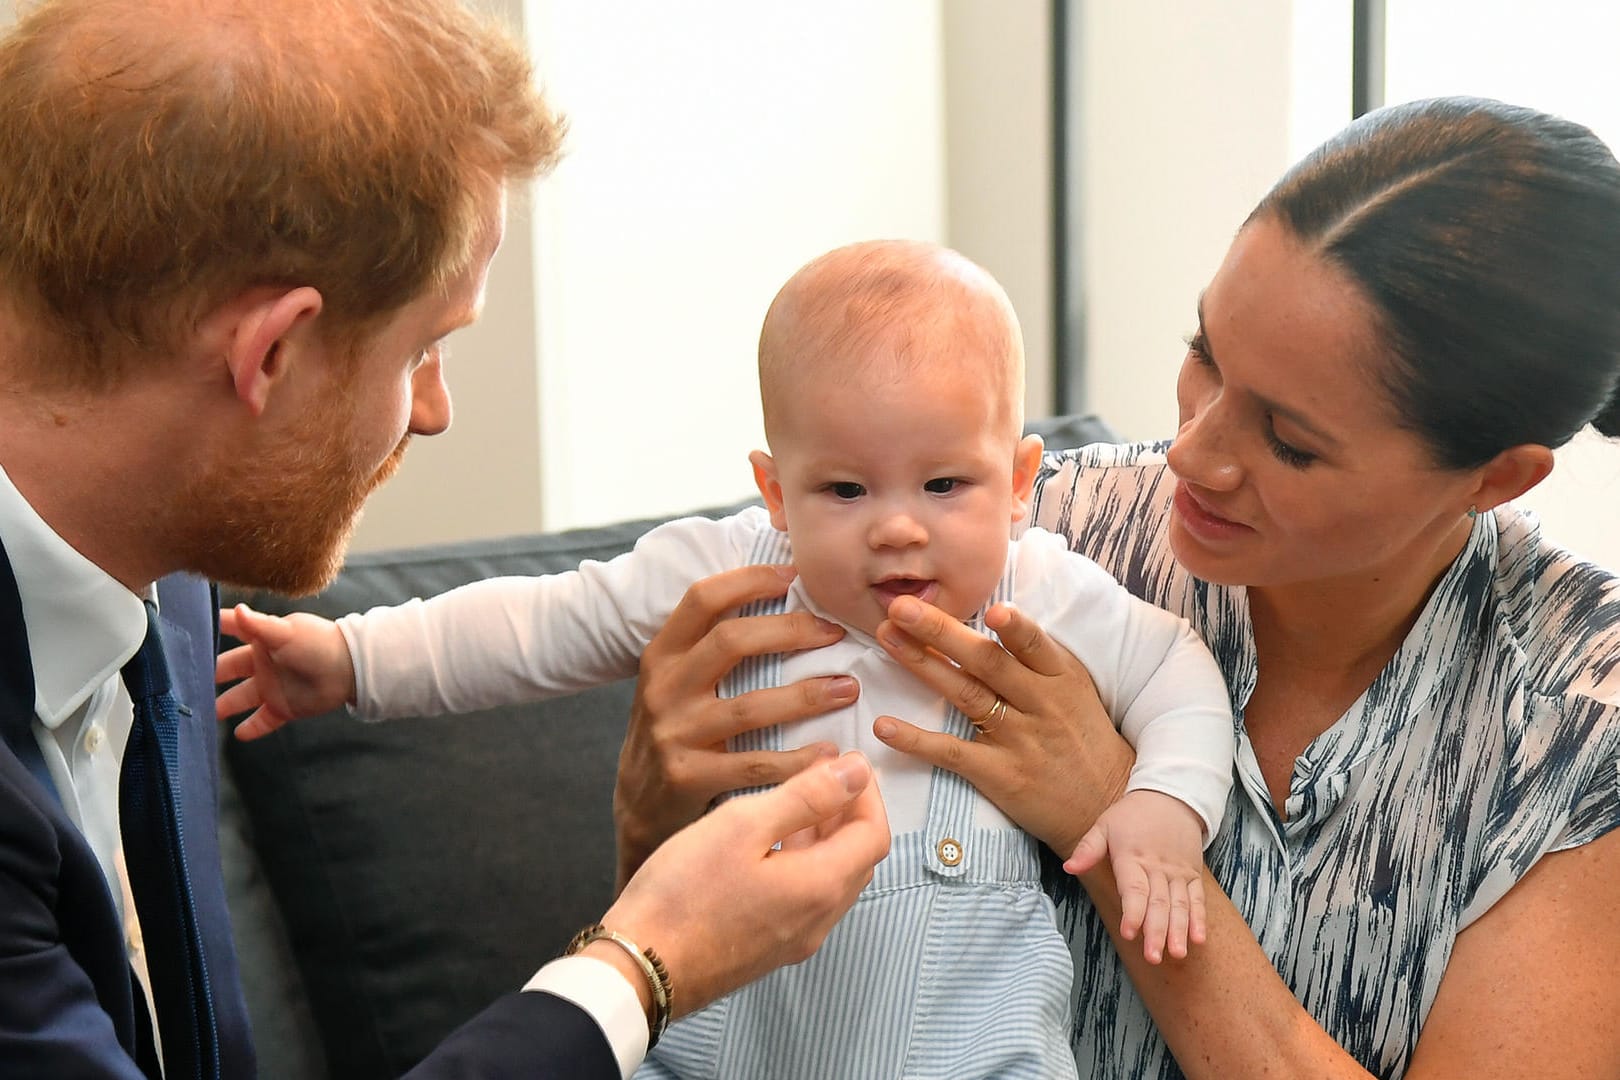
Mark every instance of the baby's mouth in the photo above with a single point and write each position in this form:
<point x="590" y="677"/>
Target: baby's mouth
<point x="924" y="589"/>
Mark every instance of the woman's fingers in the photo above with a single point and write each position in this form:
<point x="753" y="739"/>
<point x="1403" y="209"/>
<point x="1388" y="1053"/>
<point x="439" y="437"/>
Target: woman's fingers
<point x="1028" y="643"/>
<point x="768" y="707"/>
<point x="937" y="748"/>
<point x="711" y="644"/>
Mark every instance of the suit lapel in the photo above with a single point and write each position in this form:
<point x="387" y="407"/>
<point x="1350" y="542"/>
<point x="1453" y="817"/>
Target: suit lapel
<point x="17" y="682"/>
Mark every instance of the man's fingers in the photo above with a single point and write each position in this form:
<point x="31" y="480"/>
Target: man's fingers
<point x="764" y="768"/>
<point x="805" y="800"/>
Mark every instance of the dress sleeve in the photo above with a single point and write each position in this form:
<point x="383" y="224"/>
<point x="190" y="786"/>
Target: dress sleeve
<point x="1559" y="789"/>
<point x="1597" y="804"/>
<point x="514" y="639"/>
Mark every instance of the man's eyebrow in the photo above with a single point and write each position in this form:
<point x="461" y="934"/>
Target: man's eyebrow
<point x="1294" y="417"/>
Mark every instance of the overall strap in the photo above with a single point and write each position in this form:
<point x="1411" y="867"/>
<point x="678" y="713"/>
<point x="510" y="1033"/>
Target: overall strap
<point x="951" y="799"/>
<point x="759" y="672"/>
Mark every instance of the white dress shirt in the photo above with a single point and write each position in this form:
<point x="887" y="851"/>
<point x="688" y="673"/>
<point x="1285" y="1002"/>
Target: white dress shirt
<point x="82" y="626"/>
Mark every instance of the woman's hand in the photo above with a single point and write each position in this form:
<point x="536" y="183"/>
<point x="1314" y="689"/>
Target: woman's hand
<point x="1051" y="759"/>
<point x="674" y="760"/>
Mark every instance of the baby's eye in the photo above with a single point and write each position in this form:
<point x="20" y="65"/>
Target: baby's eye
<point x="942" y="485"/>
<point x="846" y="489"/>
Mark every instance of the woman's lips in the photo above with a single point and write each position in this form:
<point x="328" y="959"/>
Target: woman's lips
<point x="923" y="589"/>
<point x="1203" y="523"/>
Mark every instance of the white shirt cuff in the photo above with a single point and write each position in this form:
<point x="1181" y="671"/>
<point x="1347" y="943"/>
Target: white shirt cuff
<point x="600" y="990"/>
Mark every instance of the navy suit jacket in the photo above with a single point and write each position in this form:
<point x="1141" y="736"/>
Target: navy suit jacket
<point x="69" y="1006"/>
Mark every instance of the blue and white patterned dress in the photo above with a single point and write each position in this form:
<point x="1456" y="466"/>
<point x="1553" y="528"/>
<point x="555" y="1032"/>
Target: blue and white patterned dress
<point x="1491" y="739"/>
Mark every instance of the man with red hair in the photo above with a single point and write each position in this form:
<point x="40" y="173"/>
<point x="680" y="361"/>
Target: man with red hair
<point x="232" y="237"/>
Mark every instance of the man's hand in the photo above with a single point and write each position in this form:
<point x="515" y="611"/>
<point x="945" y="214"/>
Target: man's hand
<point x="722" y="905"/>
<point x="291" y="667"/>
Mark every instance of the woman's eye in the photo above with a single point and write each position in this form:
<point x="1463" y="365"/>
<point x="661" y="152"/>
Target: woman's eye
<point x="1197" y="349"/>
<point x="846" y="490"/>
<point x="1291" y="456"/>
<point x="943" y="485"/>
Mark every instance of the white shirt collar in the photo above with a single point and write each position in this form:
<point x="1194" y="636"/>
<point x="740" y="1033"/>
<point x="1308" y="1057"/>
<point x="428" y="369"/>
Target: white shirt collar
<point x="82" y="624"/>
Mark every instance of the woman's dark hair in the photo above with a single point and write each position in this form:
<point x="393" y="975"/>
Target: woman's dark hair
<point x="1487" y="238"/>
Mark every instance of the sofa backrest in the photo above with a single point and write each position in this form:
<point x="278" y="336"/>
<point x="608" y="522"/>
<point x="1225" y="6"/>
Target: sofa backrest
<point x="421" y="868"/>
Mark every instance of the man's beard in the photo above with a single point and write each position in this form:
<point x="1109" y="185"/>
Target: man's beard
<point x="282" y="521"/>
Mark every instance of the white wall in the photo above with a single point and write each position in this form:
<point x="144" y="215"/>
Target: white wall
<point x="715" y="148"/>
<point x="1183" y="124"/>
<point x="998" y="164"/>
<point x="1561" y="61"/>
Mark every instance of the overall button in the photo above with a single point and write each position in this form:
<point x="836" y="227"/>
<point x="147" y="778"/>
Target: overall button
<point x="950" y="852"/>
<point x="93" y="739"/>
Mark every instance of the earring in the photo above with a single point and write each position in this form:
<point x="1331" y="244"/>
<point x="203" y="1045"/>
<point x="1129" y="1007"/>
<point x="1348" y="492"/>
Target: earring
<point x="1473" y="512"/>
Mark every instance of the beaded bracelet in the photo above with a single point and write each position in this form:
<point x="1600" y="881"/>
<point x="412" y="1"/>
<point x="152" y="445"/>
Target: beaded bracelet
<point x="663" y="990"/>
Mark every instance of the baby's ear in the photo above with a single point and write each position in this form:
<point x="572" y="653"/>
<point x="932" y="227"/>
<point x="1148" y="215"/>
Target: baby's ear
<point x="1026" y="462"/>
<point x="770" y="488"/>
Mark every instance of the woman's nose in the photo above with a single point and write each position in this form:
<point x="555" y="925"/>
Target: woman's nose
<point x="1200" y="452"/>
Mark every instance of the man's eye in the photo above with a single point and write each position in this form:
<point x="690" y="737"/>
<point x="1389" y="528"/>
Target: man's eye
<point x="846" y="490"/>
<point x="942" y="485"/>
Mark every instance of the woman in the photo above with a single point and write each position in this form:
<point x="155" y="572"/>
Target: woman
<point x="1416" y="867"/>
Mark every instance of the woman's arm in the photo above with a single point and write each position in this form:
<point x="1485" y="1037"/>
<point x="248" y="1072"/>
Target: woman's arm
<point x="1529" y="991"/>
<point x="1532" y="987"/>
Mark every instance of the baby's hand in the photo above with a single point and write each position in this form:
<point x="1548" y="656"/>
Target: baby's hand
<point x="1155" y="843"/>
<point x="291" y="667"/>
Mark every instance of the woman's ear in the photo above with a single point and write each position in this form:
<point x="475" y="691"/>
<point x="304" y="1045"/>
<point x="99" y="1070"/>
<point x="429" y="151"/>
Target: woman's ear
<point x="1510" y="474"/>
<point x="770" y="487"/>
<point x="1026" y="463"/>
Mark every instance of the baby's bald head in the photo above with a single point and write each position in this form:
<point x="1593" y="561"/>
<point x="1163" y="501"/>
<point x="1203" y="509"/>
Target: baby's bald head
<point x="888" y="309"/>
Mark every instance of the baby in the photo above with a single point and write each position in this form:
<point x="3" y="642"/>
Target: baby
<point x="891" y="375"/>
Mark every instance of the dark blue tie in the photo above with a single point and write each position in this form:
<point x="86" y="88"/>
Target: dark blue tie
<point x="149" y="818"/>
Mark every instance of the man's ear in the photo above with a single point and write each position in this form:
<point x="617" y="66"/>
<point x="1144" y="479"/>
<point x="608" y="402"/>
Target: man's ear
<point x="770" y="487"/>
<point x="256" y="350"/>
<point x="1026" y="463"/>
<point x="1510" y="474"/>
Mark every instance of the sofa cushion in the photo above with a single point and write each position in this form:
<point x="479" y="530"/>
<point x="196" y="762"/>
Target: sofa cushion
<point x="424" y="867"/>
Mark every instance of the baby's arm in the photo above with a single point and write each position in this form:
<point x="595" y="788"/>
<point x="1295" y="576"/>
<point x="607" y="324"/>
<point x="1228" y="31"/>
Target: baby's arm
<point x="506" y="640"/>
<point x="291" y="667"/>
<point x="1180" y="722"/>
<point x="1155" y="843"/>
<point x="1166" y="694"/>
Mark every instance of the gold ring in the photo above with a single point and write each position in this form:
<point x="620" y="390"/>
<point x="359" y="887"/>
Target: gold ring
<point x="997" y="711"/>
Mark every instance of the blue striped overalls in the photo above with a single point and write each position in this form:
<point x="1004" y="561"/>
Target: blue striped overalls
<point x="950" y="965"/>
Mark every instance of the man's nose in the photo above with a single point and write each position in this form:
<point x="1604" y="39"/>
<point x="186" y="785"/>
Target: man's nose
<point x="430" y="399"/>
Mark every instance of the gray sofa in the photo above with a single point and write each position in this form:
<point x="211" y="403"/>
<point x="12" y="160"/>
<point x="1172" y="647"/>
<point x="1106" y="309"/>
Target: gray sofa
<point x="387" y="881"/>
